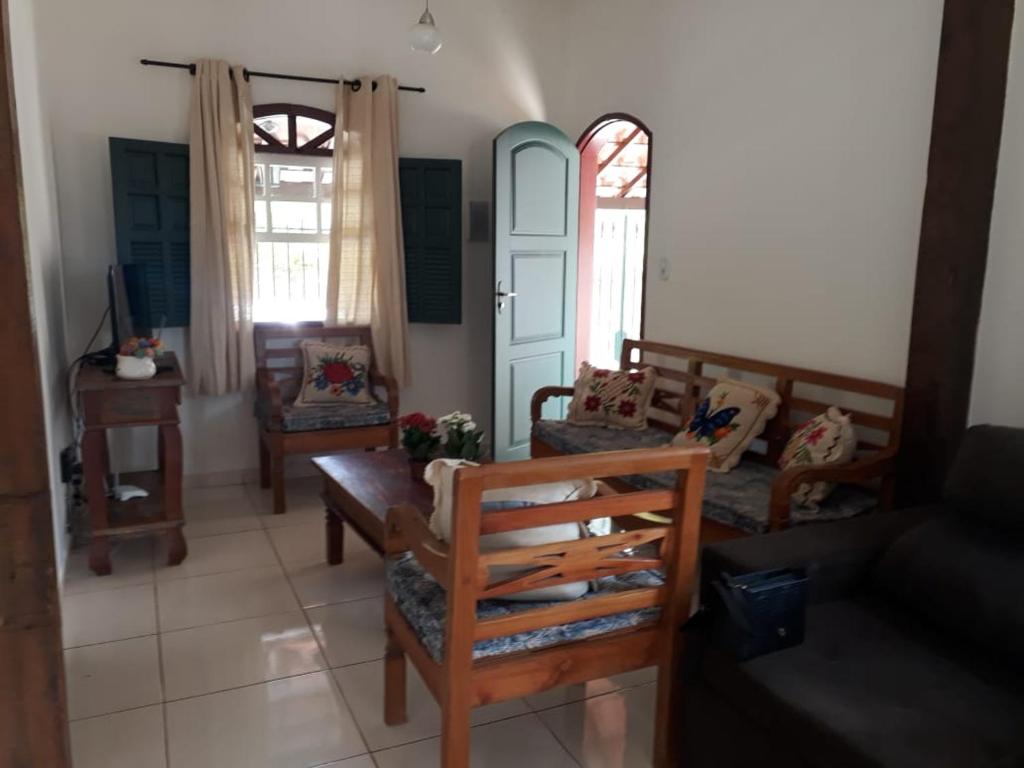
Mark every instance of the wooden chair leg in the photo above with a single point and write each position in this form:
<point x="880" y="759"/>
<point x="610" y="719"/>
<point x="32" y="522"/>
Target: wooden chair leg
<point x="454" y="736"/>
<point x="277" y="480"/>
<point x="264" y="463"/>
<point x="394" y="683"/>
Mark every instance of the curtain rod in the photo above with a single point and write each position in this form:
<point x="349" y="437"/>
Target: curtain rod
<point x="354" y="84"/>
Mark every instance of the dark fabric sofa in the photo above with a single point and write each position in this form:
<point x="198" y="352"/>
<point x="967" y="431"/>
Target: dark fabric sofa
<point x="914" y="651"/>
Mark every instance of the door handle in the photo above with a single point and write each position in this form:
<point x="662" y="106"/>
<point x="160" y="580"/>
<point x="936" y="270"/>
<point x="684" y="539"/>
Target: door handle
<point x="502" y="295"/>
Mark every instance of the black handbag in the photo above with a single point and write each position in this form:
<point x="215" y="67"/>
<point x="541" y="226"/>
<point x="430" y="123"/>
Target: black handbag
<point x="760" y="613"/>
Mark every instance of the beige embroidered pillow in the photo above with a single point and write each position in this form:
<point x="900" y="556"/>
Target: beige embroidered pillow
<point x="618" y="399"/>
<point x="826" y="439"/>
<point x="728" y="420"/>
<point x="334" y="374"/>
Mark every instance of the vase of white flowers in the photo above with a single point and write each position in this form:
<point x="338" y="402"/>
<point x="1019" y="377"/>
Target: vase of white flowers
<point x="460" y="438"/>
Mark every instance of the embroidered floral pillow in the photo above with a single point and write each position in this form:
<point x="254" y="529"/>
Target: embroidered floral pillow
<point x="825" y="439"/>
<point x="612" y="398"/>
<point x="728" y="420"/>
<point x="334" y="374"/>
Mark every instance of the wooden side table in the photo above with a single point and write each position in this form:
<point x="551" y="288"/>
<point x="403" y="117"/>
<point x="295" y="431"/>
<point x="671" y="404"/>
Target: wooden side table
<point x="108" y="402"/>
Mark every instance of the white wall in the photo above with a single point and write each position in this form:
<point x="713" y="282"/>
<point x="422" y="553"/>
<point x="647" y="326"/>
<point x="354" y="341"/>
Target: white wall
<point x="790" y="153"/>
<point x="996" y="397"/>
<point x="489" y="74"/>
<point x="42" y="237"/>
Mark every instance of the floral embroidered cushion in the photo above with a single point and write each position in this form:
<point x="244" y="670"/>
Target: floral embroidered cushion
<point x="728" y="420"/>
<point x="826" y="439"/>
<point x="334" y="374"/>
<point x="618" y="399"/>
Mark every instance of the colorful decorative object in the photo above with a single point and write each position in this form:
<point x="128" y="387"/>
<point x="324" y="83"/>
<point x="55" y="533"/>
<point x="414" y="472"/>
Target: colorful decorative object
<point x="136" y="358"/>
<point x="460" y="438"/>
<point x="826" y="439"/>
<point x="728" y="420"/>
<point x="617" y="399"/>
<point x="333" y="374"/>
<point x="420" y="440"/>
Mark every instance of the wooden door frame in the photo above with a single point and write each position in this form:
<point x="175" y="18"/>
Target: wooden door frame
<point x="970" y="95"/>
<point x="33" y="710"/>
<point x="588" y="210"/>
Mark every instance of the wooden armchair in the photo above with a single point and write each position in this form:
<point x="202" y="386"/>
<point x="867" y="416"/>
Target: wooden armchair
<point x="491" y="651"/>
<point x="285" y="430"/>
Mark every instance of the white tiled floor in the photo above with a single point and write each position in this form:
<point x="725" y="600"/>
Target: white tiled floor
<point x="256" y="653"/>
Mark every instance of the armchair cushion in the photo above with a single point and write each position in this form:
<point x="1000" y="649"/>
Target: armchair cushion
<point x="984" y="484"/>
<point x="334" y="374"/>
<point x="422" y="602"/>
<point x="869" y="689"/>
<point x="965" y="579"/>
<point x="740" y="498"/>
<point x="307" y="418"/>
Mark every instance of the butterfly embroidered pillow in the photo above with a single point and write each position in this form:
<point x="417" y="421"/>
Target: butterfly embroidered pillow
<point x="333" y="374"/>
<point x="728" y="420"/>
<point x="825" y="439"/>
<point x="618" y="399"/>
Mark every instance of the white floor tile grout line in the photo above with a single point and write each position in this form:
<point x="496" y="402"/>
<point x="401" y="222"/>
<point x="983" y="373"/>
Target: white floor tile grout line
<point x="323" y="651"/>
<point x="160" y="664"/>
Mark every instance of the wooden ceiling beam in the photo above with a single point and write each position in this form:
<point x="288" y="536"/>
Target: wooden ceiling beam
<point x="618" y="150"/>
<point x="632" y="182"/>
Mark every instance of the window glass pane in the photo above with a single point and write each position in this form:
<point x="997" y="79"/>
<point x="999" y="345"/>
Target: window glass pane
<point x="307" y="128"/>
<point x="259" y="179"/>
<point x="293" y="181"/>
<point x="258" y="140"/>
<point x="260" y="215"/>
<point x="275" y="125"/>
<point x="329" y="144"/>
<point x="326" y="181"/>
<point x="325" y="217"/>
<point x="288" y="216"/>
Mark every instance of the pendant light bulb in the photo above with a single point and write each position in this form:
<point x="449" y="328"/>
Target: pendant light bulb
<point x="424" y="35"/>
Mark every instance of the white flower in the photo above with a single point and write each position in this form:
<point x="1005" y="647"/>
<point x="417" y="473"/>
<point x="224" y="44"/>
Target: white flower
<point x="470" y="426"/>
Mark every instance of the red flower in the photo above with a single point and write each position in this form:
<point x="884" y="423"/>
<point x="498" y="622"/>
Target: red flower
<point x="592" y="403"/>
<point x="637" y="376"/>
<point x="627" y="408"/>
<point x="815" y="436"/>
<point x="601" y="373"/>
<point x="338" y="373"/>
<point x="418" y="421"/>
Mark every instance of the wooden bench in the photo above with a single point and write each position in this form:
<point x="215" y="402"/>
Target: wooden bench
<point x="279" y="370"/>
<point x="684" y="377"/>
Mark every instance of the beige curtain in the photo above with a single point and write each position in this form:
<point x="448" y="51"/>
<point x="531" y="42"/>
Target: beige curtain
<point x="221" y="208"/>
<point x="366" y="272"/>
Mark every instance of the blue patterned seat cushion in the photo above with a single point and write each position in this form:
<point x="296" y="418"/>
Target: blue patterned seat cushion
<point x="422" y="602"/>
<point x="306" y="418"/>
<point x="740" y="498"/>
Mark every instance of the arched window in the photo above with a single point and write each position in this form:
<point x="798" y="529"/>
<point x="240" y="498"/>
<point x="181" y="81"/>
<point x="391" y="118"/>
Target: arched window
<point x="293" y="178"/>
<point x="293" y="129"/>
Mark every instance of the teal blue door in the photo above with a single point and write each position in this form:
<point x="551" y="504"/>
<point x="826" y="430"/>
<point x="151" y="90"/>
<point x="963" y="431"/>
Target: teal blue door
<point x="536" y="228"/>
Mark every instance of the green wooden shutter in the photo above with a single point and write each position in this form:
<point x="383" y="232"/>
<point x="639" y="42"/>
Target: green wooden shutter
<point x="150" y="183"/>
<point x="431" y="192"/>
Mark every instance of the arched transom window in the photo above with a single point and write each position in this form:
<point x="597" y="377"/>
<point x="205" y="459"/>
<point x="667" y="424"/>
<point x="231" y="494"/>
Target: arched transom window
<point x="293" y="129"/>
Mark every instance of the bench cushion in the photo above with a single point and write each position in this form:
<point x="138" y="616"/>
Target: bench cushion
<point x="307" y="418"/>
<point x="740" y="498"/>
<point x="422" y="602"/>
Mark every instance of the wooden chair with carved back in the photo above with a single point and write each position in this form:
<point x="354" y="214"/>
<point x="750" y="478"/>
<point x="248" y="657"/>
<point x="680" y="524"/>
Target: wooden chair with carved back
<point x="285" y="429"/>
<point x="491" y="650"/>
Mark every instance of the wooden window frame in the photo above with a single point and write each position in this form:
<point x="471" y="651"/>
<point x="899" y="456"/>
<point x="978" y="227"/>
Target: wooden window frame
<point x="292" y="111"/>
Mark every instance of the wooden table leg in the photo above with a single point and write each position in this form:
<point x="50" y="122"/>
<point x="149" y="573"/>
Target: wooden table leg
<point x="94" y="449"/>
<point x="170" y="456"/>
<point x="335" y="538"/>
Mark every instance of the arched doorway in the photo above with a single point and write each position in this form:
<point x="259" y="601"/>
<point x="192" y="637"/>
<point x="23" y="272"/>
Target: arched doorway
<point x="615" y="173"/>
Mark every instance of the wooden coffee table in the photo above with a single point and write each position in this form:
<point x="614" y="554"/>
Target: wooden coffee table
<point x="359" y="488"/>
